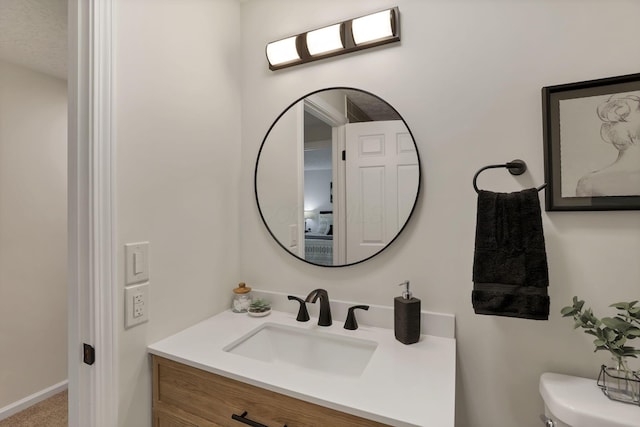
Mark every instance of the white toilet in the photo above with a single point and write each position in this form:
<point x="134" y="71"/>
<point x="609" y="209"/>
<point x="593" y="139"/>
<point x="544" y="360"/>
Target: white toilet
<point x="579" y="402"/>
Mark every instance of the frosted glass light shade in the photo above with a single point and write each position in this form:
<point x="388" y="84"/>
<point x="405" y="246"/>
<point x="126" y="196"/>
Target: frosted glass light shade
<point x="282" y="51"/>
<point x="324" y="40"/>
<point x="372" y="27"/>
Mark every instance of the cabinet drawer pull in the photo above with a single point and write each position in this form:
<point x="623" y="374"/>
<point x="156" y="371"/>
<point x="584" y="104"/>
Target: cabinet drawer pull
<point x="243" y="419"/>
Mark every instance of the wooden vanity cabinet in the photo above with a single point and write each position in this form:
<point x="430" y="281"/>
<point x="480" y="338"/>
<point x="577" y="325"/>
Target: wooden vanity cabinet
<point x="184" y="396"/>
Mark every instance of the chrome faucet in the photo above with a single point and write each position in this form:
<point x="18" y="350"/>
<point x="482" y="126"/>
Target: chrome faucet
<point x="325" y="309"/>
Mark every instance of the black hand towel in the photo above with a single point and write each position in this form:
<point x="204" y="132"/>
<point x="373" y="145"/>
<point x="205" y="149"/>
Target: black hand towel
<point x="510" y="264"/>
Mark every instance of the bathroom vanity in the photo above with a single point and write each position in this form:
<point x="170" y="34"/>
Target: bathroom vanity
<point x="233" y="369"/>
<point x="186" y="396"/>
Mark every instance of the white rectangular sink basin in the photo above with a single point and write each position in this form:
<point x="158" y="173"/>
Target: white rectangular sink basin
<point x="309" y="349"/>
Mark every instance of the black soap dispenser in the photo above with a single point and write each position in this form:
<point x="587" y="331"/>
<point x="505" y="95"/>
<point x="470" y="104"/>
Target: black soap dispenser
<point x="406" y="316"/>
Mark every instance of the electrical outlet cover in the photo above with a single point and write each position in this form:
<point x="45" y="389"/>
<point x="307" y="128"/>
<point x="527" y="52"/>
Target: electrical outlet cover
<point x="136" y="305"/>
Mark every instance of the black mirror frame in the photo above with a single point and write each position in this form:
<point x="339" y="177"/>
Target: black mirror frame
<point x="255" y="177"/>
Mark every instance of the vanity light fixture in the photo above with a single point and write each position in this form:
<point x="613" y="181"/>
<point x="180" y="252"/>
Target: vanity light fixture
<point x="348" y="36"/>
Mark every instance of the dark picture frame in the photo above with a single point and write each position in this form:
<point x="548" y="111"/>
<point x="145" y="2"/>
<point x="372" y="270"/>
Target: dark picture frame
<point x="591" y="132"/>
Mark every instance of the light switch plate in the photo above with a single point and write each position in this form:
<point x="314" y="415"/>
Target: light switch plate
<point x="293" y="235"/>
<point x="136" y="262"/>
<point x="136" y="305"/>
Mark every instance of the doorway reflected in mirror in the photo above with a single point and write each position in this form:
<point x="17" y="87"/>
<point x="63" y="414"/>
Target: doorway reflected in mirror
<point x="337" y="177"/>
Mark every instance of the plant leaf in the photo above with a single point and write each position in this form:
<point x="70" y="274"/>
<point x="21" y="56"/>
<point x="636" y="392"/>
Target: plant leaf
<point x="616" y="323"/>
<point x="567" y="311"/>
<point x="633" y="332"/>
<point x="620" y="342"/>
<point x="620" y="305"/>
<point x="609" y="334"/>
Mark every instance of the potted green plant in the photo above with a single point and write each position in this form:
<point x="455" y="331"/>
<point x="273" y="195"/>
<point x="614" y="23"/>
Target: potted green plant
<point x="259" y="307"/>
<point x="612" y="334"/>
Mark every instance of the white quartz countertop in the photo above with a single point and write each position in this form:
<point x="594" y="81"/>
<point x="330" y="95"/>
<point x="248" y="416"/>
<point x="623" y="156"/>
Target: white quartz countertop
<point x="402" y="385"/>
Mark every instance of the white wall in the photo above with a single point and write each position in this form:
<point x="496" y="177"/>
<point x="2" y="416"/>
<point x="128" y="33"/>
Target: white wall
<point x="279" y="185"/>
<point x="317" y="189"/>
<point x="33" y="232"/>
<point x="177" y="136"/>
<point x="466" y="77"/>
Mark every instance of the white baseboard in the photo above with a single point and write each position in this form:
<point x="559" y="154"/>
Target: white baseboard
<point x="28" y="401"/>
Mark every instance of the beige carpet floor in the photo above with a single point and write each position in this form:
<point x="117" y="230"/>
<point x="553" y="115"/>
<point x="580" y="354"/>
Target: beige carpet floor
<point x="51" y="412"/>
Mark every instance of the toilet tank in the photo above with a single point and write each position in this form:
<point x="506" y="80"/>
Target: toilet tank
<point x="579" y="402"/>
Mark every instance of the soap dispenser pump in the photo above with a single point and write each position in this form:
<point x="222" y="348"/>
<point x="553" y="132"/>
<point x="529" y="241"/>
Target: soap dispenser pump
<point x="406" y="316"/>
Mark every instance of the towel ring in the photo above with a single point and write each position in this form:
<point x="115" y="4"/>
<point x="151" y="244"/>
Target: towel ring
<point x="515" y="167"/>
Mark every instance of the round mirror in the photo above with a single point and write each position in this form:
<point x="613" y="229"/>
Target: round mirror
<point x="337" y="177"/>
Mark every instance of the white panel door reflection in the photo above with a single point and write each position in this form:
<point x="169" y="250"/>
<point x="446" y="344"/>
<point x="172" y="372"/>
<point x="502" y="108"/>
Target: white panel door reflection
<point x="382" y="178"/>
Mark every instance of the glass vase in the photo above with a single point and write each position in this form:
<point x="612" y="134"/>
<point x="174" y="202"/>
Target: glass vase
<point x="620" y="383"/>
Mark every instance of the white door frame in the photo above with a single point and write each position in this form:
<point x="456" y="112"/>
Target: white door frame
<point x="92" y="308"/>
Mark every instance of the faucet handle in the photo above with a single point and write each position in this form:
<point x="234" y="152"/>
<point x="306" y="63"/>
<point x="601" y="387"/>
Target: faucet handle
<point x="303" y="314"/>
<point x="351" y="322"/>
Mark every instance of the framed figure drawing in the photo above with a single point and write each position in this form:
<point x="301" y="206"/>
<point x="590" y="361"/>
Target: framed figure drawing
<point x="592" y="144"/>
